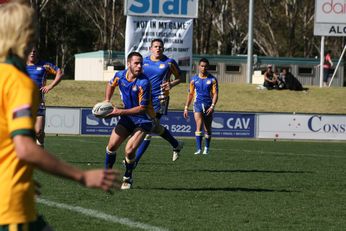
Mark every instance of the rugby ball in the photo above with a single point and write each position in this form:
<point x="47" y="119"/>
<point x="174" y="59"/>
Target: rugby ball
<point x="102" y="109"/>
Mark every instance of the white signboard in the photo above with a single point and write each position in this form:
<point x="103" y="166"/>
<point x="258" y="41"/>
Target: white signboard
<point x="330" y="18"/>
<point x="63" y="120"/>
<point x="290" y="126"/>
<point x="176" y="34"/>
<point x="162" y="8"/>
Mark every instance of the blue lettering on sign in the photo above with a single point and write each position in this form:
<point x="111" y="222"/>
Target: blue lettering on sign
<point x="325" y="127"/>
<point x="169" y="7"/>
<point x="238" y="123"/>
<point x="310" y="123"/>
<point x="144" y="7"/>
<point x="223" y="125"/>
<point x="96" y="126"/>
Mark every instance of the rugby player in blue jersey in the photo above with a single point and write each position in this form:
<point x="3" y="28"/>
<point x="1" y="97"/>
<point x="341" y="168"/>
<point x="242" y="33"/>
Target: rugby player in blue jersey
<point x="136" y="116"/>
<point x="159" y="68"/>
<point x="38" y="71"/>
<point x="204" y="89"/>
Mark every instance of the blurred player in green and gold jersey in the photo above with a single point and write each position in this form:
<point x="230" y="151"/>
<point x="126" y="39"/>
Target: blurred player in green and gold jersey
<point x="19" y="154"/>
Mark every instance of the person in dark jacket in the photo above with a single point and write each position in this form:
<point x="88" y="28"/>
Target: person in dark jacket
<point x="288" y="81"/>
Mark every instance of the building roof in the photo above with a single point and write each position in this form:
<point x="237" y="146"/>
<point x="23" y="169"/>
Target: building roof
<point x="262" y="60"/>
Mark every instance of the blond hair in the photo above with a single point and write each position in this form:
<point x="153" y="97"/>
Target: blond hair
<point x="17" y="30"/>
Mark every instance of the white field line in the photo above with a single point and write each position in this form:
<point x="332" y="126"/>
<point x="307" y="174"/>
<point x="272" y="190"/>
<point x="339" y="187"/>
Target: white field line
<point x="100" y="215"/>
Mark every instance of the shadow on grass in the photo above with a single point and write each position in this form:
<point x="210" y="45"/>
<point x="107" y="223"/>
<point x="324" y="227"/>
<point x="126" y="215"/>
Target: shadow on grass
<point x="225" y="189"/>
<point x="251" y="171"/>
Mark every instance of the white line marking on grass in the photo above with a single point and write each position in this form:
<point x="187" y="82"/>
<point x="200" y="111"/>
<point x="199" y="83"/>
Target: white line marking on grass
<point x="100" y="215"/>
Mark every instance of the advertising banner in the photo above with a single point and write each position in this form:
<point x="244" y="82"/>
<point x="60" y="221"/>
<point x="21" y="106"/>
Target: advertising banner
<point x="290" y="126"/>
<point x="330" y="18"/>
<point x="176" y="34"/>
<point x="92" y="125"/>
<point x="223" y="125"/>
<point x="62" y="120"/>
<point x="162" y="8"/>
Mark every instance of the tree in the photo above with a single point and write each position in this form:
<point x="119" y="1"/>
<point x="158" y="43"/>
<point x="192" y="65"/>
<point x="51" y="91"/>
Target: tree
<point x="104" y="15"/>
<point x="281" y="28"/>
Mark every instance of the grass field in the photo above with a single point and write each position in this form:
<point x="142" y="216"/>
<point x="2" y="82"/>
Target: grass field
<point x="232" y="97"/>
<point x="241" y="185"/>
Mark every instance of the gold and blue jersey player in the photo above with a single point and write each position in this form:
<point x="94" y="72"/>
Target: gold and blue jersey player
<point x="159" y="68"/>
<point x="204" y="90"/>
<point x="136" y="116"/>
<point x="38" y="71"/>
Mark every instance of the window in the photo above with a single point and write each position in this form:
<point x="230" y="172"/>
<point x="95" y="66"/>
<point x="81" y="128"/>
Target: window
<point x="119" y="67"/>
<point x="305" y="71"/>
<point x="233" y="68"/>
<point x="212" y="68"/>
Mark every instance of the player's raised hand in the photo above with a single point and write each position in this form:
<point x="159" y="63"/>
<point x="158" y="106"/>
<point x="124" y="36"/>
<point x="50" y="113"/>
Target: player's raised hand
<point x="46" y="89"/>
<point x="105" y="179"/>
<point x="209" y="111"/>
<point x="166" y="86"/>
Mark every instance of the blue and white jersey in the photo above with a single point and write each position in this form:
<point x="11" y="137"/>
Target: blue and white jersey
<point x="203" y="89"/>
<point x="39" y="71"/>
<point x="135" y="93"/>
<point x="159" y="72"/>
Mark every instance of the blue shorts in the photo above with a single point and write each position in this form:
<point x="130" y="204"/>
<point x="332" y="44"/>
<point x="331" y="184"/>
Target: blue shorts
<point x="131" y="124"/>
<point x="161" y="107"/>
<point x="41" y="110"/>
<point x="201" y="107"/>
<point x="42" y="107"/>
